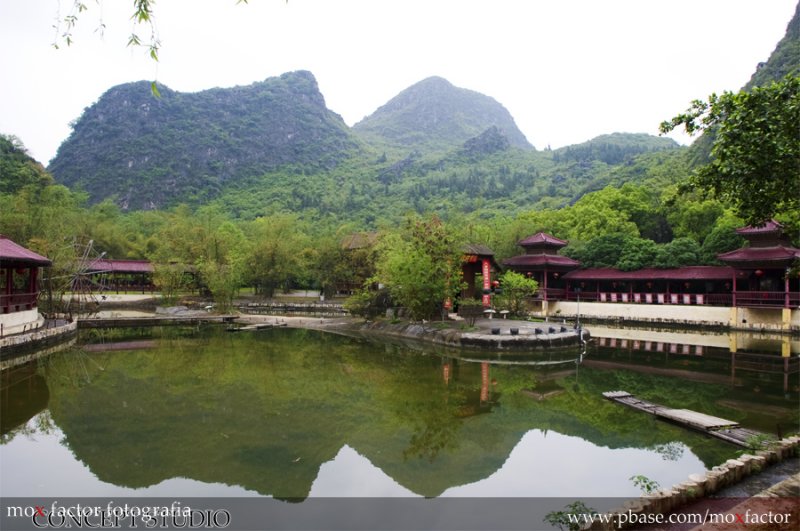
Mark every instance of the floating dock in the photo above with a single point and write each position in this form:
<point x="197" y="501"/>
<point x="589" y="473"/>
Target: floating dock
<point x="257" y="326"/>
<point x="727" y="430"/>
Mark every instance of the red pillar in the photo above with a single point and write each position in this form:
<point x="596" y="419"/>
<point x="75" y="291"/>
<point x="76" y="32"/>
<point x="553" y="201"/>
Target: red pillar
<point x="486" y="270"/>
<point x="484" y="382"/>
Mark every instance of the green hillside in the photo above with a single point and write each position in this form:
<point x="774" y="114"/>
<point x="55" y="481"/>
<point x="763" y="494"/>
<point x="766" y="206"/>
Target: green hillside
<point x="149" y="152"/>
<point x="435" y="115"/>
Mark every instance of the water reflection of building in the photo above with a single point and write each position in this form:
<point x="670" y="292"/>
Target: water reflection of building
<point x="475" y="401"/>
<point x="714" y="357"/>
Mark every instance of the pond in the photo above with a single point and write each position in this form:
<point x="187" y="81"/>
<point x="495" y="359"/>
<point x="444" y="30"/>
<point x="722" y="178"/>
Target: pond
<point x="293" y="414"/>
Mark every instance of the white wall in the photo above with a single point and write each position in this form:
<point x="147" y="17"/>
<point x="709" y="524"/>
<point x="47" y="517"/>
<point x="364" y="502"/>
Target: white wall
<point x="16" y="322"/>
<point x="772" y="319"/>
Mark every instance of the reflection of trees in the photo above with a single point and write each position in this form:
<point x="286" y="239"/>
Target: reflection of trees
<point x="671" y="451"/>
<point x="42" y="424"/>
<point x="436" y="428"/>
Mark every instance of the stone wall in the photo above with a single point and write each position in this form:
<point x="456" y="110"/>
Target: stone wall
<point x="702" y="485"/>
<point x="753" y="319"/>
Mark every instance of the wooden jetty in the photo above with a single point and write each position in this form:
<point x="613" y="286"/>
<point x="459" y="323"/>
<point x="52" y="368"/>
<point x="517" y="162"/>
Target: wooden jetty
<point x="727" y="430"/>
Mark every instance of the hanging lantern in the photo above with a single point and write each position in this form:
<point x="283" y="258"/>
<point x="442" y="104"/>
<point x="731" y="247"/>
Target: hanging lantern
<point x="759" y="273"/>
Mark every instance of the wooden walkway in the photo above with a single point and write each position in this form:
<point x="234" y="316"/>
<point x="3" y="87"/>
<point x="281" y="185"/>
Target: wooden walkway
<point x="727" y="430"/>
<point x="257" y="326"/>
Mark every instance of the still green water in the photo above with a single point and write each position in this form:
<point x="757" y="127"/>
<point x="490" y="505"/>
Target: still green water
<point x="297" y="413"/>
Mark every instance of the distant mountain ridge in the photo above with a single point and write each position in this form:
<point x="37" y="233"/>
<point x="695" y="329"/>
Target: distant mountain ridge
<point x="434" y="113"/>
<point x="150" y="151"/>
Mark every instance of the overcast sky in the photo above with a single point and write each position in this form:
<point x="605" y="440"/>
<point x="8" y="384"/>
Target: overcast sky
<point x="566" y="70"/>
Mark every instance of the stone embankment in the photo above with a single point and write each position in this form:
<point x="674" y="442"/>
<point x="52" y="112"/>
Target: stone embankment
<point x="489" y="334"/>
<point x="699" y="486"/>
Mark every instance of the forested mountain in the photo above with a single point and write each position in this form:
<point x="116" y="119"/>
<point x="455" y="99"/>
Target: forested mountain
<point x="150" y="152"/>
<point x="785" y="59"/>
<point x="17" y="168"/>
<point x="274" y="147"/>
<point x="434" y="114"/>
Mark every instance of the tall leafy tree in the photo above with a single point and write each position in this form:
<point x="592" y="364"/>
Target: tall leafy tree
<point x="755" y="160"/>
<point x="421" y="266"/>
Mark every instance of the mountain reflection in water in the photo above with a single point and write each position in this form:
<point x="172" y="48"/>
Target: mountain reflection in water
<point x="295" y="413"/>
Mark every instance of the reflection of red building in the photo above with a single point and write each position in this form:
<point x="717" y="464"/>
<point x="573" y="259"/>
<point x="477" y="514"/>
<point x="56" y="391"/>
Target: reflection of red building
<point x="19" y="274"/>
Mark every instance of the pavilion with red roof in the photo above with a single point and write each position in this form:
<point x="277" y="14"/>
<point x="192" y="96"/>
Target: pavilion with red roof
<point x="763" y="269"/>
<point x="19" y="274"/>
<point x="542" y="262"/>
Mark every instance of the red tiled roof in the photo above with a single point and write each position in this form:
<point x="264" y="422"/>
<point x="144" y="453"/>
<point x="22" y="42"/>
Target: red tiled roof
<point x="13" y="252"/>
<point x="121" y="266"/>
<point x="533" y="260"/>
<point x="681" y="273"/>
<point x="542" y="239"/>
<point x="778" y="254"/>
<point x="768" y="227"/>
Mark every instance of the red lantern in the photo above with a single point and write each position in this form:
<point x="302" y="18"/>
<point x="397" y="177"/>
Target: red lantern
<point x="759" y="272"/>
<point x="555" y="275"/>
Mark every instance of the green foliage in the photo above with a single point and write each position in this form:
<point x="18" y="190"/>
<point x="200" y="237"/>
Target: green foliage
<point x="571" y="518"/>
<point x="18" y="169"/>
<point x="645" y="484"/>
<point x="516" y="288"/>
<point x="613" y="149"/>
<point x="421" y="267"/>
<point x="679" y="252"/>
<point x="755" y="159"/>
<point x="280" y="253"/>
<point x="170" y="279"/>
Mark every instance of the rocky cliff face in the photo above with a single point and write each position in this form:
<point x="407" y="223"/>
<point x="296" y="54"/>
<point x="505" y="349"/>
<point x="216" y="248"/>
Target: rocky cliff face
<point x="150" y="152"/>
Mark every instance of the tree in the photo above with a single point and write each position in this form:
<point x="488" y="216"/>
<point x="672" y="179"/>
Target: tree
<point x="637" y="253"/>
<point x="516" y="287"/>
<point x="755" y="160"/>
<point x="679" y="252"/>
<point x="280" y="252"/>
<point x="420" y="266"/>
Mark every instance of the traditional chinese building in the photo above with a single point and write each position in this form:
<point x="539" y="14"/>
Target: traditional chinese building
<point x="19" y="275"/>
<point x="542" y="262"/>
<point x="122" y="275"/>
<point x="478" y="260"/>
<point x="762" y="271"/>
